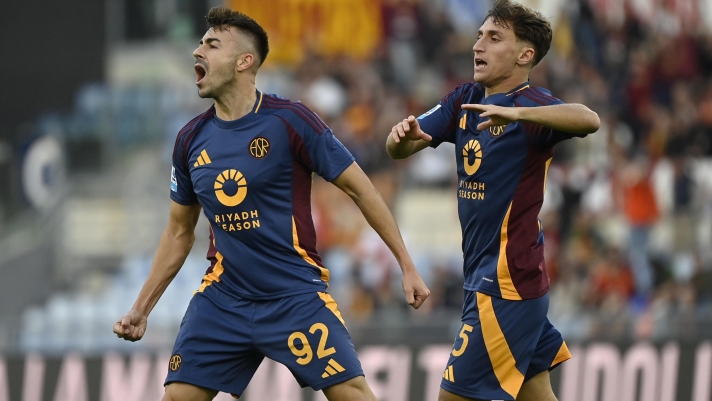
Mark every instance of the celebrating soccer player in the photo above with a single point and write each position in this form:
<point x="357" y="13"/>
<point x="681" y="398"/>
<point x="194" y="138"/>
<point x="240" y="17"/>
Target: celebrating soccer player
<point x="248" y="163"/>
<point x="504" y="131"/>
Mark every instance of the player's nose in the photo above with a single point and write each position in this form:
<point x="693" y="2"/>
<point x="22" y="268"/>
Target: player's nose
<point x="198" y="54"/>
<point x="477" y="47"/>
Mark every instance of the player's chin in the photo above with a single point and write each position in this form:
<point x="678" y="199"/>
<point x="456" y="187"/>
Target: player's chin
<point x="480" y="78"/>
<point x="204" y="92"/>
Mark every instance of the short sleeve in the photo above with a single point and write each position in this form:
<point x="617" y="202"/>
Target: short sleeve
<point x="181" y="185"/>
<point x="329" y="156"/>
<point x="440" y="122"/>
<point x="540" y="135"/>
<point x="313" y="144"/>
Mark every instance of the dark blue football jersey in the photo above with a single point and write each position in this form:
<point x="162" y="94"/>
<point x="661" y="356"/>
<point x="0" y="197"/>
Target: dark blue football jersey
<point x="253" y="178"/>
<point x="501" y="183"/>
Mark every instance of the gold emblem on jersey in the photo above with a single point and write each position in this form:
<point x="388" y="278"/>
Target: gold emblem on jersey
<point x="239" y="196"/>
<point x="472" y="147"/>
<point x="259" y="147"/>
<point x="497" y="130"/>
<point x="175" y="362"/>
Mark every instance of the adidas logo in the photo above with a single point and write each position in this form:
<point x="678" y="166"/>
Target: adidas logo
<point x="332" y="368"/>
<point x="463" y="121"/>
<point x="203" y="159"/>
<point x="449" y="374"/>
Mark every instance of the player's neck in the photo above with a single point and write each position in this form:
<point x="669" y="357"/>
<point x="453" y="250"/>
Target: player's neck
<point x="237" y="102"/>
<point x="506" y="84"/>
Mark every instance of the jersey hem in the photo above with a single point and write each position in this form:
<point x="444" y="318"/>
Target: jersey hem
<point x="318" y="287"/>
<point x="498" y="294"/>
<point x="470" y="394"/>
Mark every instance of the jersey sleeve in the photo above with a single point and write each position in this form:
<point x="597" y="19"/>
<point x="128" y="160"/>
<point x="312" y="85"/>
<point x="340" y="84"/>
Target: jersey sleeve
<point x="440" y="122"/>
<point x="540" y="135"/>
<point x="314" y="145"/>
<point x="181" y="185"/>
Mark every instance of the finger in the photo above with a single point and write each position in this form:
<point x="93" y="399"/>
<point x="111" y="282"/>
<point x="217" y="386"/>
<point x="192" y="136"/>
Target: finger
<point x="117" y="328"/>
<point x="475" y="107"/>
<point x="420" y="299"/>
<point x="409" y="297"/>
<point x="134" y="333"/>
<point x="412" y="121"/>
<point x="401" y="133"/>
<point x="425" y="136"/>
<point x="405" y="125"/>
<point x="126" y="321"/>
<point x="486" y="113"/>
<point x="484" y="125"/>
<point x="394" y="134"/>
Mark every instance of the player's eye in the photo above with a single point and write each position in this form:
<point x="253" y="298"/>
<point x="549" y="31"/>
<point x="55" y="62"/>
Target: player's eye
<point x="495" y="39"/>
<point x="213" y="47"/>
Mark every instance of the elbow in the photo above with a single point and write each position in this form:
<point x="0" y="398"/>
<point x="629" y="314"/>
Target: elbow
<point x="397" y="156"/>
<point x="595" y="122"/>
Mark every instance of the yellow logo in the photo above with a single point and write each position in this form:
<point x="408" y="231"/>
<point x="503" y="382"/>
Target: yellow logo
<point x="332" y="368"/>
<point x="463" y="121"/>
<point x="497" y="130"/>
<point x="231" y="200"/>
<point x="259" y="147"/>
<point x="474" y="146"/>
<point x="449" y="374"/>
<point x="175" y="363"/>
<point x="203" y="159"/>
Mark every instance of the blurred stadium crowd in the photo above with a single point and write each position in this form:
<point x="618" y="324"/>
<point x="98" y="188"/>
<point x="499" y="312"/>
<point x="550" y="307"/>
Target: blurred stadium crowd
<point x="628" y="210"/>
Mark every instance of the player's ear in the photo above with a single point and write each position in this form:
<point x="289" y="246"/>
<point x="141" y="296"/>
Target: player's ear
<point x="244" y="62"/>
<point x="526" y="56"/>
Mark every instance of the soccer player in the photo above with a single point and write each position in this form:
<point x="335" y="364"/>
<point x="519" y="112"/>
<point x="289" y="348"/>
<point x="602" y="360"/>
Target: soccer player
<point x="248" y="163"/>
<point x="504" y="131"/>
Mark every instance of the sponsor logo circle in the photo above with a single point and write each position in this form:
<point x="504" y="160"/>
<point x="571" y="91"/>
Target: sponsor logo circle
<point x="472" y="148"/>
<point x="224" y="178"/>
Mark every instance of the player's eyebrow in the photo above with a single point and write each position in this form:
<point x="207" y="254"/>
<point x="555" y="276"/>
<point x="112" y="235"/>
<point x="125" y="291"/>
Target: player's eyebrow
<point x="210" y="40"/>
<point x="490" y="32"/>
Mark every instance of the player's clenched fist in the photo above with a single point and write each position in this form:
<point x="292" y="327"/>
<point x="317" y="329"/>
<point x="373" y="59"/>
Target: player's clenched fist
<point x="409" y="129"/>
<point x="416" y="292"/>
<point x="132" y="326"/>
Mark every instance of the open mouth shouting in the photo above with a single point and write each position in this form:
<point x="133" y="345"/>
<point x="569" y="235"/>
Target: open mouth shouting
<point x="200" y="72"/>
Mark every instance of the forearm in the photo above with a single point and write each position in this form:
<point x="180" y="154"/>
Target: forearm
<point x="172" y="251"/>
<point x="404" y="148"/>
<point x="572" y="118"/>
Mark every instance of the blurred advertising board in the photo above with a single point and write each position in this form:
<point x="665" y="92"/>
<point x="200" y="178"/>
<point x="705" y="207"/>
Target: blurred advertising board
<point x="605" y="371"/>
<point x="322" y="27"/>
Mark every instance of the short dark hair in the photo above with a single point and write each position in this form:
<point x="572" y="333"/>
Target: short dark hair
<point x="223" y="17"/>
<point x="528" y="25"/>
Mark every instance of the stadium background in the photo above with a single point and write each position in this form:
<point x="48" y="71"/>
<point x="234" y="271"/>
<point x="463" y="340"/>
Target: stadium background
<point x="93" y="93"/>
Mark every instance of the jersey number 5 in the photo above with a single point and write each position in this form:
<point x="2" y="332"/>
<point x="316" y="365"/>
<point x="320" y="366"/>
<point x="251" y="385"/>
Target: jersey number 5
<point x="305" y="353"/>
<point x="463" y="334"/>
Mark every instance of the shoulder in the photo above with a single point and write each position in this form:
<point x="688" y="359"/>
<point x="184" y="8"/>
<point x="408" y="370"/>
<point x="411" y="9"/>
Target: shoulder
<point x="191" y="128"/>
<point x="533" y="96"/>
<point x="295" y="114"/>
<point x="465" y="91"/>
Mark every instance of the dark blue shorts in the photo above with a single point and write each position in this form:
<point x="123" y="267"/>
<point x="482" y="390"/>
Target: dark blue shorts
<point x="223" y="339"/>
<point x="501" y="345"/>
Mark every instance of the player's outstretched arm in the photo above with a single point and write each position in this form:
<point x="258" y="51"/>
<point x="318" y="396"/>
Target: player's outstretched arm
<point x="354" y="182"/>
<point x="406" y="138"/>
<point x="173" y="248"/>
<point x="572" y="118"/>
